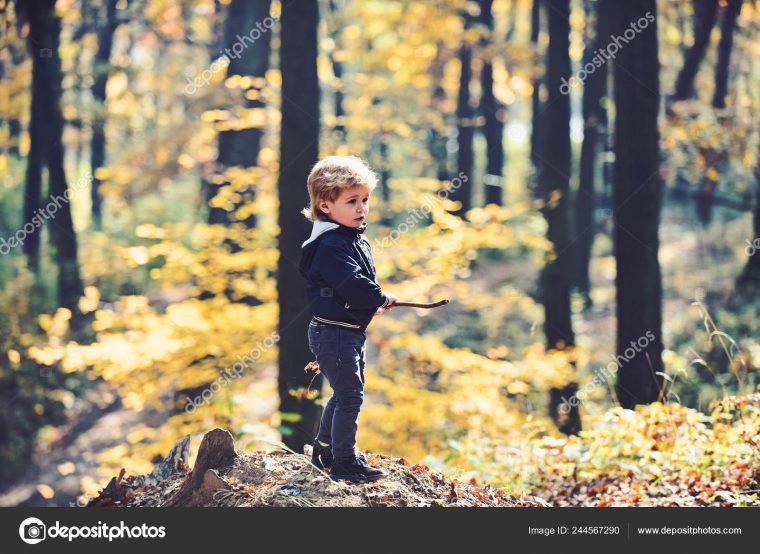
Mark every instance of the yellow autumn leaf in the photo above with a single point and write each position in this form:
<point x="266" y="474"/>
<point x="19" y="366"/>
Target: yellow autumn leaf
<point x="46" y="491"/>
<point x="89" y="302"/>
<point x="66" y="468"/>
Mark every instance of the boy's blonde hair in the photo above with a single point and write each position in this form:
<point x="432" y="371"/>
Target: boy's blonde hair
<point x="332" y="175"/>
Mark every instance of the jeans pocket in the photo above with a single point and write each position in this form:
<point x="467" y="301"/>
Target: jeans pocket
<point x="354" y="337"/>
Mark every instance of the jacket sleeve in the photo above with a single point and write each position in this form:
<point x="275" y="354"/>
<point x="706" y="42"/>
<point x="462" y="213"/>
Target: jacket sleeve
<point x="343" y="274"/>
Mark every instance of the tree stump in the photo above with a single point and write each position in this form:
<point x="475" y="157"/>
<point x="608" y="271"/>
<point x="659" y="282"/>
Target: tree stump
<point x="175" y="462"/>
<point x="210" y="485"/>
<point x="114" y="494"/>
<point x="216" y="452"/>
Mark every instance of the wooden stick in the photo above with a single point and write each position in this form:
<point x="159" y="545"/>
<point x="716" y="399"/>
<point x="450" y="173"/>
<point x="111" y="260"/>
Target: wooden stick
<point x="421" y="305"/>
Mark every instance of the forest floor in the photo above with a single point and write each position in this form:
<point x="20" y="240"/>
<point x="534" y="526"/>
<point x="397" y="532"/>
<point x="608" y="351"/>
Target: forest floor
<point x="672" y="490"/>
<point x="283" y="478"/>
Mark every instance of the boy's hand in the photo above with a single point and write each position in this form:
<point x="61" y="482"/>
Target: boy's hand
<point x="391" y="302"/>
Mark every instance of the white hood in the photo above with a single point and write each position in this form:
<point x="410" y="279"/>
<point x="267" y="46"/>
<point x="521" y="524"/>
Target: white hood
<point x="319" y="228"/>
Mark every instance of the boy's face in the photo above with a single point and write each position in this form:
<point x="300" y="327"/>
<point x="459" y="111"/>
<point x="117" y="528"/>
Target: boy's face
<point x="350" y="208"/>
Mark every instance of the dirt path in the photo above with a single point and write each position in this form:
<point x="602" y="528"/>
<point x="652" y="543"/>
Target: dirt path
<point x="55" y="475"/>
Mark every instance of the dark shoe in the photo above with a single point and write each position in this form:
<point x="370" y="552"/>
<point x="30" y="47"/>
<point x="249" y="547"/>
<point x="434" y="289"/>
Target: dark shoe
<point x="354" y="469"/>
<point x="321" y="456"/>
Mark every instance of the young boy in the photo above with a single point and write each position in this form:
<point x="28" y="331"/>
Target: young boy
<point x="344" y="296"/>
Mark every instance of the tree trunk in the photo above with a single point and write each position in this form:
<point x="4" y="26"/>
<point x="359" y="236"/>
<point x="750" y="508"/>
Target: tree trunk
<point x="437" y="138"/>
<point x="384" y="178"/>
<point x="554" y="181"/>
<point x="553" y="190"/>
<point x="36" y="158"/>
<point x="337" y="66"/>
<point x="44" y="34"/>
<point x="750" y="277"/>
<point x="727" y="27"/>
<point x="216" y="51"/>
<point x="715" y="159"/>
<point x="241" y="147"/>
<point x="637" y="198"/>
<point x="101" y="72"/>
<point x="494" y="114"/>
<point x="608" y="148"/>
<point x="593" y="116"/>
<point x="466" y="130"/>
<point x="535" y="139"/>
<point x="705" y="15"/>
<point x="299" y="149"/>
<point x="14" y="133"/>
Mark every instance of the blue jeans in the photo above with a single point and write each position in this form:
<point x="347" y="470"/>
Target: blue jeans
<point x="340" y="353"/>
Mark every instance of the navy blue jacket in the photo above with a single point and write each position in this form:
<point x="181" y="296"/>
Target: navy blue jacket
<point x="340" y="273"/>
